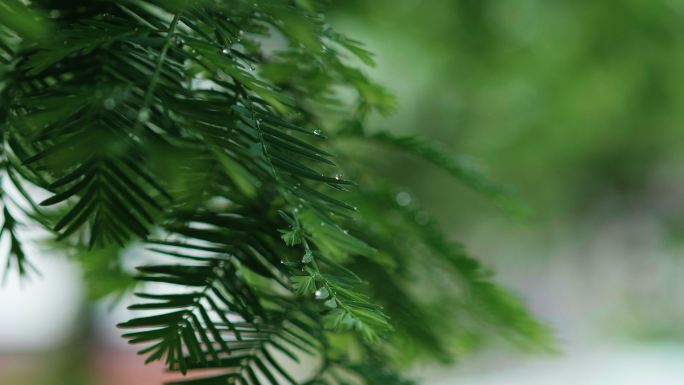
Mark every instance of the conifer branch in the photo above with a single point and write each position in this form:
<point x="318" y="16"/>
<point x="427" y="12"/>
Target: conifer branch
<point x="191" y="130"/>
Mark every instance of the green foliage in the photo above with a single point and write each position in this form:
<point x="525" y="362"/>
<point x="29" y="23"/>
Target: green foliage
<point x="460" y="169"/>
<point x="559" y="93"/>
<point x="196" y="128"/>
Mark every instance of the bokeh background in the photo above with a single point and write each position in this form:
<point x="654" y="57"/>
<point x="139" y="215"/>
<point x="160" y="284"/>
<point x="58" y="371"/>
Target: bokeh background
<point x="578" y="105"/>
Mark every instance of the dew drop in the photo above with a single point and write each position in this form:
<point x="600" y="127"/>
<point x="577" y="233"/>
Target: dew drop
<point x="180" y="42"/>
<point x="403" y="198"/>
<point x="422" y="218"/>
<point x="322" y="293"/>
<point x="109" y="103"/>
<point x="225" y="51"/>
<point x="331" y="303"/>
<point x="144" y="115"/>
<point x="317" y="132"/>
<point x="308" y="257"/>
<point x="338" y="176"/>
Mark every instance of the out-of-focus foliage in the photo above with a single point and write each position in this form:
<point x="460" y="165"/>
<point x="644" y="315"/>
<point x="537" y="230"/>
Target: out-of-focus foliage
<point x="216" y="133"/>
<point x="577" y="102"/>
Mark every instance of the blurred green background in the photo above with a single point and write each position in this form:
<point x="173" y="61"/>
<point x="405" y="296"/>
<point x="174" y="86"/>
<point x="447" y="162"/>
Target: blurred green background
<point x="575" y="103"/>
<point x="579" y="106"/>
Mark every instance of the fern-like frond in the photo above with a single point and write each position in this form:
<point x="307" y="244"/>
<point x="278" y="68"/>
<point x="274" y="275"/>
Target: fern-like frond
<point x="201" y="129"/>
<point x="218" y="320"/>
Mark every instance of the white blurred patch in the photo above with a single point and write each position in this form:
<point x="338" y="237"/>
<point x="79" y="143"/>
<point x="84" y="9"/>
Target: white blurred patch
<point x="626" y="365"/>
<point x="38" y="312"/>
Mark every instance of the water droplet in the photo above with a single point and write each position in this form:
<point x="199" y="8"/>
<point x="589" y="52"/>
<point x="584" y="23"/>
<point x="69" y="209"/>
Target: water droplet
<point x="331" y="303"/>
<point x="308" y="257"/>
<point x="422" y="218"/>
<point x="180" y="42"/>
<point x="403" y="198"/>
<point x="109" y="103"/>
<point x="225" y="51"/>
<point x="317" y="132"/>
<point x="144" y="115"/>
<point x="338" y="177"/>
<point x="322" y="293"/>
